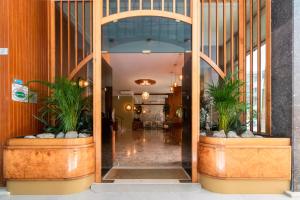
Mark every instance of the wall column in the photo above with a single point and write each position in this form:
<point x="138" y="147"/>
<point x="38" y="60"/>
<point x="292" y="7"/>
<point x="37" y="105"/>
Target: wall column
<point x="286" y="78"/>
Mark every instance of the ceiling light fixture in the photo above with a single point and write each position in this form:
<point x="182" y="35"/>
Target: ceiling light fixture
<point x="145" y="82"/>
<point x="180" y="77"/>
<point x="145" y="95"/>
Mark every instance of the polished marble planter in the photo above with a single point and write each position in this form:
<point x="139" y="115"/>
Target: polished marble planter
<point x="244" y="165"/>
<point x="49" y="166"/>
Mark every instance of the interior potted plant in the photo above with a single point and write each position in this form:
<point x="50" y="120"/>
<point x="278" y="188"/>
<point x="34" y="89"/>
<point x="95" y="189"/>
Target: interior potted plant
<point x="225" y="96"/>
<point x="65" y="111"/>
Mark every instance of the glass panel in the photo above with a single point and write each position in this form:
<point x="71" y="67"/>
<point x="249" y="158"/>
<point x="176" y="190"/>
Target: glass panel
<point x="263" y="66"/>
<point x="157" y="4"/>
<point x="208" y="115"/>
<point x="65" y="39"/>
<point x="87" y="28"/>
<point x="254" y="21"/>
<point x="57" y="39"/>
<point x="248" y="89"/>
<point x="146" y="4"/>
<point x="213" y="32"/>
<point x="137" y="34"/>
<point x="228" y="37"/>
<point x="255" y="91"/>
<point x="180" y="6"/>
<point x="188" y="8"/>
<point x="263" y="89"/>
<point x="236" y="32"/>
<point x="79" y="33"/>
<point x="72" y="38"/>
<point x="104" y="8"/>
<point x="169" y="5"/>
<point x="135" y="4"/>
<point x="200" y="19"/>
<point x="112" y="7"/>
<point x="220" y="30"/>
<point x="123" y="5"/>
<point x="206" y="31"/>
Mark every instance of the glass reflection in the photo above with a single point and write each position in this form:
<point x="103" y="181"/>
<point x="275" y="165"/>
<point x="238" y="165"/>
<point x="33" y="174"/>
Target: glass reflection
<point x="208" y="116"/>
<point x="156" y="34"/>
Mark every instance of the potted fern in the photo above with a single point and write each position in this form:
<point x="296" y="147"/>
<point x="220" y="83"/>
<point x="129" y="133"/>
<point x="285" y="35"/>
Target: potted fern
<point x="66" y="106"/>
<point x="225" y="97"/>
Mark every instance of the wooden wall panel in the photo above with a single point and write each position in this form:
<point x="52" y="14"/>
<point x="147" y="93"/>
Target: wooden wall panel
<point x="3" y="77"/>
<point x="24" y="30"/>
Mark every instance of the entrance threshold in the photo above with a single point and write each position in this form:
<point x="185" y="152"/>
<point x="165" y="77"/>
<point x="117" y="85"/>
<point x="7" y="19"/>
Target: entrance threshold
<point x="147" y="175"/>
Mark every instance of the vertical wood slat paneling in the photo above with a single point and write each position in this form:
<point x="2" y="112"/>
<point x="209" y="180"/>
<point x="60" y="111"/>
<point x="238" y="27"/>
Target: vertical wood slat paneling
<point x="52" y="36"/>
<point x="251" y="63"/>
<point x="4" y="80"/>
<point x="258" y="69"/>
<point x="129" y="5"/>
<point x="91" y="27"/>
<point x="217" y="32"/>
<point x="107" y="7"/>
<point x="231" y="37"/>
<point x="61" y="38"/>
<point x="97" y="126"/>
<point x="209" y="28"/>
<point x="69" y="36"/>
<point x="174" y="6"/>
<point x="27" y="60"/>
<point x="202" y="26"/>
<point x="76" y="33"/>
<point x="224" y="37"/>
<point x="118" y="6"/>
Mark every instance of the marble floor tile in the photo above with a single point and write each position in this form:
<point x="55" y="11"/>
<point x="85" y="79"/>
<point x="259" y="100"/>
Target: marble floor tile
<point x="146" y="148"/>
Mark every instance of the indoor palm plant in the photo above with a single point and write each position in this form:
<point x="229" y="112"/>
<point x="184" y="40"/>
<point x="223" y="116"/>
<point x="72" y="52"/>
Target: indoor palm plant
<point x="225" y="97"/>
<point x="65" y="105"/>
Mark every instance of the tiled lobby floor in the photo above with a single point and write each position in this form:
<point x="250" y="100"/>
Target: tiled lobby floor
<point x="150" y="192"/>
<point x="146" y="148"/>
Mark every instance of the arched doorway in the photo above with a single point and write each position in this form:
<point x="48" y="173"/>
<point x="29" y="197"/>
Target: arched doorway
<point x="159" y="49"/>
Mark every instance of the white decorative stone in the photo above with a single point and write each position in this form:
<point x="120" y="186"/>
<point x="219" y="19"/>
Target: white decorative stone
<point x="203" y="133"/>
<point x="220" y="134"/>
<point x="84" y="135"/>
<point x="232" y="134"/>
<point x="60" y="135"/>
<point x="258" y="136"/>
<point x="247" y="134"/>
<point x="71" y="134"/>
<point x="30" y="136"/>
<point x="45" y="135"/>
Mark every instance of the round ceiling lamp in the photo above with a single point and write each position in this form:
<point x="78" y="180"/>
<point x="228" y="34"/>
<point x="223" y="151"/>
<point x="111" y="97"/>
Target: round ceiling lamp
<point x="128" y="107"/>
<point x="145" y="95"/>
<point x="145" y="82"/>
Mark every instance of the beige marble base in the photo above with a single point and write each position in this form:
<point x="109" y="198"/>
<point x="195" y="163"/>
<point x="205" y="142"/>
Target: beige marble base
<point x="51" y="187"/>
<point x="244" y="186"/>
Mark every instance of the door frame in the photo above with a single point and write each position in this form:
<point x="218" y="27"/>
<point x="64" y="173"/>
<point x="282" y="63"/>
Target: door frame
<point x="98" y="22"/>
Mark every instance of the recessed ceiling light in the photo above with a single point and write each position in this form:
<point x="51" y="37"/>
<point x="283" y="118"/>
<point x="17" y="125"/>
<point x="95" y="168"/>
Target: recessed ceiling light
<point x="146" y="51"/>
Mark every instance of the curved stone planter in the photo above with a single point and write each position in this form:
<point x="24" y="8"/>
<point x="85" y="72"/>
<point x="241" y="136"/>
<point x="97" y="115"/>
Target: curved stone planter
<point x="49" y="166"/>
<point x="244" y="165"/>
